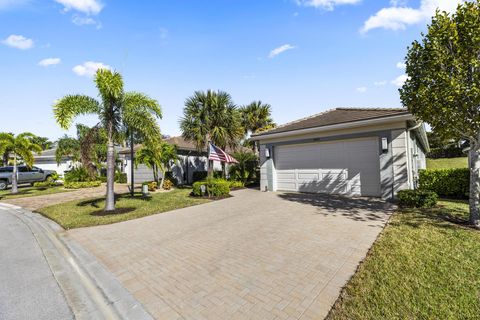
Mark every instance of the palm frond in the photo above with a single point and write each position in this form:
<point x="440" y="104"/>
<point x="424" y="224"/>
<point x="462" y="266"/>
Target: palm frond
<point x="71" y="106"/>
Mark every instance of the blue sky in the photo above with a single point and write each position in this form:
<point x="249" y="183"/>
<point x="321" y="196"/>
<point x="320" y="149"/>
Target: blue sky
<point x="301" y="56"/>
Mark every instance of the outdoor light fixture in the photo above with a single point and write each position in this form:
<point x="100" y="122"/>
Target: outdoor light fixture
<point x="267" y="153"/>
<point x="384" y="144"/>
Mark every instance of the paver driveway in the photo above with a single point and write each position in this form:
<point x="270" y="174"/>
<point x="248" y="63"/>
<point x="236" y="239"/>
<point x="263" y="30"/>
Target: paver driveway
<point x="253" y="256"/>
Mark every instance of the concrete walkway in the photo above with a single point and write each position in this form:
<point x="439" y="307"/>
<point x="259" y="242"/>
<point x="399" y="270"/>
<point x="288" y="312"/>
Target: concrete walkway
<point x="253" y="256"/>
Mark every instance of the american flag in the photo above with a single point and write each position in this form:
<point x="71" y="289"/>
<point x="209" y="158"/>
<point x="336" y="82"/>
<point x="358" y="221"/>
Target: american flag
<point x="217" y="154"/>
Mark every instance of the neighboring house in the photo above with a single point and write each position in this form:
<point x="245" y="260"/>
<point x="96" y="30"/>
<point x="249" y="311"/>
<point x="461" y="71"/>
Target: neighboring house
<point x="190" y="161"/>
<point x="46" y="161"/>
<point x="349" y="151"/>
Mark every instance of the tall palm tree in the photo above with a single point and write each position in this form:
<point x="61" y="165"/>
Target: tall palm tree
<point x="211" y="116"/>
<point x="157" y="156"/>
<point x="116" y="109"/>
<point x="256" y="117"/>
<point x="20" y="147"/>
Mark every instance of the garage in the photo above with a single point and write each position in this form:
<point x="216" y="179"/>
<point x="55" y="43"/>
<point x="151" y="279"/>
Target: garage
<point x="347" y="167"/>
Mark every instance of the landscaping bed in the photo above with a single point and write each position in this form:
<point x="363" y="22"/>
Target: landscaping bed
<point x="85" y="213"/>
<point x="423" y="266"/>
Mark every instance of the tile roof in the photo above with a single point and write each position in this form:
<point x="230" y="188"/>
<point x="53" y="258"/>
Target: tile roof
<point x="336" y="116"/>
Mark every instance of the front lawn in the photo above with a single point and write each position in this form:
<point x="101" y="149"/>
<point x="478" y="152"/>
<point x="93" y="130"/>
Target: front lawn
<point x="425" y="265"/>
<point x="447" y="163"/>
<point x="24" y="192"/>
<point x="86" y="213"/>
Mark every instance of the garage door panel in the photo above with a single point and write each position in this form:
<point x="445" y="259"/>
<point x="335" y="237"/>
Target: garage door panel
<point x="348" y="167"/>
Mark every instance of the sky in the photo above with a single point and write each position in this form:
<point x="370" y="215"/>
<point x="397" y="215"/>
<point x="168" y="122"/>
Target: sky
<point x="300" y="56"/>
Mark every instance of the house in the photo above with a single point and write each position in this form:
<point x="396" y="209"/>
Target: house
<point x="348" y="151"/>
<point x="190" y="160"/>
<point x="46" y="161"/>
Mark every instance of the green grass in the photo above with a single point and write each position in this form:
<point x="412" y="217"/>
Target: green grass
<point x="24" y="192"/>
<point x="447" y="163"/>
<point x="425" y="265"/>
<point x="86" y="213"/>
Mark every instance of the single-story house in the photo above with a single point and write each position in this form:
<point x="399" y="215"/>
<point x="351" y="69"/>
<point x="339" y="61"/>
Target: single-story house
<point x="348" y="151"/>
<point x="190" y="160"/>
<point x="46" y="161"/>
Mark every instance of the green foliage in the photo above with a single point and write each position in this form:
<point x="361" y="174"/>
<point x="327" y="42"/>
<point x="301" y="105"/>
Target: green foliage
<point x="120" y="177"/>
<point x="82" y="184"/>
<point x="214" y="188"/>
<point x="157" y="155"/>
<point x="245" y="168"/>
<point x="78" y="174"/>
<point x="236" y="184"/>
<point x="43" y="142"/>
<point x="256" y="117"/>
<point x="211" y="116"/>
<point x="447" y="152"/>
<point x="417" y="198"/>
<point x="44" y="184"/>
<point x="21" y="146"/>
<point x="446" y="183"/>
<point x="199" y="176"/>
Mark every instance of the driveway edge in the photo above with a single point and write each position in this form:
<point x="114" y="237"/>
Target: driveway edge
<point x="91" y="291"/>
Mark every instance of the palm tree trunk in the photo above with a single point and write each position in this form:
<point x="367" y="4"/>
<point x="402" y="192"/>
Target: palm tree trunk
<point x="155" y="173"/>
<point x="474" y="156"/>
<point x="110" y="201"/>
<point x="163" y="178"/>
<point x="14" y="174"/>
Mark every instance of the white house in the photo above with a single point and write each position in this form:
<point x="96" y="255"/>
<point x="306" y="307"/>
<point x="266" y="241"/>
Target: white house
<point x="349" y="151"/>
<point x="46" y="161"/>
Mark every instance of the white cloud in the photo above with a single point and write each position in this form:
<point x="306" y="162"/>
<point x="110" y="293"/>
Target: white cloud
<point x="380" y="83"/>
<point x="326" y="4"/>
<point x="400" y="80"/>
<point x="361" y="89"/>
<point x="277" y="51"/>
<point x="49" y="62"/>
<point x="399" y="17"/>
<point x="18" y="41"/>
<point x="89" y="68"/>
<point x="401" y="65"/>
<point x="85" y="6"/>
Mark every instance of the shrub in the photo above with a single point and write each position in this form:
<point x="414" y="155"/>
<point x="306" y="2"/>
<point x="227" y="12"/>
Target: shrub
<point x="214" y="188"/>
<point x="53" y="177"/>
<point x="102" y="179"/>
<point x="78" y="174"/>
<point x="202" y="175"/>
<point x="152" y="185"/>
<point x="236" y="184"/>
<point x="167" y="184"/>
<point x="120" y="177"/>
<point x="448" y="152"/>
<point x="82" y="184"/>
<point x="44" y="184"/>
<point x="169" y="176"/>
<point x="447" y="182"/>
<point x="417" y="198"/>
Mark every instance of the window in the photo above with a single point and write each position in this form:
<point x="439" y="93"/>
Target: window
<point x="6" y="169"/>
<point x="34" y="169"/>
<point x="22" y="169"/>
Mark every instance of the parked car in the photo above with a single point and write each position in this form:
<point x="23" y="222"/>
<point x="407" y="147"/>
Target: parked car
<point x="25" y="175"/>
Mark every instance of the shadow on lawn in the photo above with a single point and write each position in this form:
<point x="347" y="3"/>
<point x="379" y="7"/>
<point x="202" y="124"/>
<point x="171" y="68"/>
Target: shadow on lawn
<point x="27" y="191"/>
<point x="358" y="209"/>
<point x="97" y="202"/>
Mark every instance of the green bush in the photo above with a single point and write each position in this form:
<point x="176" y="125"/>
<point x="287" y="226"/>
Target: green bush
<point x="44" y="184"/>
<point x="53" y="177"/>
<point x="417" y="198"/>
<point x="120" y="177"/>
<point x="82" y="184"/>
<point x="236" y="184"/>
<point x="168" y="184"/>
<point x="78" y="174"/>
<point x="452" y="151"/>
<point x="199" y="176"/>
<point x="214" y="188"/>
<point x="447" y="182"/>
<point x="102" y="179"/>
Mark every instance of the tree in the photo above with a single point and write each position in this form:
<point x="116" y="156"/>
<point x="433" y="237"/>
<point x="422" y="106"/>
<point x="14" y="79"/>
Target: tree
<point x="116" y="110"/>
<point x="20" y="147"/>
<point x="256" y="117"/>
<point x="245" y="168"/>
<point x="157" y="156"/>
<point x="43" y="142"/>
<point x="443" y="88"/>
<point x="211" y="116"/>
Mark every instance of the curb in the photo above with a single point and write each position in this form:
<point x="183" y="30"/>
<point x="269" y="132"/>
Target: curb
<point x="91" y="291"/>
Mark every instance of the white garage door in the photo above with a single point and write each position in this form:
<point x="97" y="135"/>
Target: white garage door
<point x="349" y="167"/>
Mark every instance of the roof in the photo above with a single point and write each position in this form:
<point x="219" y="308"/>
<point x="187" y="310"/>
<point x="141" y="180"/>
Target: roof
<point x="336" y="116"/>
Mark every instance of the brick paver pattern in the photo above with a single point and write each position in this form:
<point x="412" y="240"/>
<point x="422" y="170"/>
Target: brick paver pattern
<point x="252" y="256"/>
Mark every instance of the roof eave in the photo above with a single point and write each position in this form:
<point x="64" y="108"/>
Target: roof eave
<point x="346" y="125"/>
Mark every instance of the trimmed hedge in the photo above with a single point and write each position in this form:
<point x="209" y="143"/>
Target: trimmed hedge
<point x="417" y="198"/>
<point x="45" y="184"/>
<point x="454" y="183"/>
<point x="84" y="184"/>
<point x="236" y="184"/>
<point x="214" y="188"/>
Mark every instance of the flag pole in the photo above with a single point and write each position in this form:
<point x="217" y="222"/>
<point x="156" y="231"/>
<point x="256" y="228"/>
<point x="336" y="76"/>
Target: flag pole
<point x="209" y="162"/>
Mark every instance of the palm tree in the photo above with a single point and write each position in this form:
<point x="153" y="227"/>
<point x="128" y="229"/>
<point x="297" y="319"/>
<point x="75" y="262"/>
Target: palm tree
<point x="157" y="156"/>
<point x="256" y="117"/>
<point x="116" y="110"/>
<point x="20" y="147"/>
<point x="211" y="116"/>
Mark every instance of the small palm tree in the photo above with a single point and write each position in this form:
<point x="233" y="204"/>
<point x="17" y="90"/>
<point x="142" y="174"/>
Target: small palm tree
<point x="20" y="147"/>
<point x="116" y="110"/>
<point x="157" y="156"/>
<point x="256" y="117"/>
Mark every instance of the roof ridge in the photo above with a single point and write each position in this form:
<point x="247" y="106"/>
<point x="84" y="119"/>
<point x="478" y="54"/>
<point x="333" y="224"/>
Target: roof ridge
<point x="370" y="109"/>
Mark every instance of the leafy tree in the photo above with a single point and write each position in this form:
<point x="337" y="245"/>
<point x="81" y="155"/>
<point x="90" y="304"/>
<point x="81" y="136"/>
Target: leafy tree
<point x="158" y="156"/>
<point x="43" y="142"/>
<point x="211" y="116"/>
<point x="245" y="168"/>
<point x="21" y="147"/>
<point x="443" y="88"/>
<point x="256" y="117"/>
<point x="116" y="110"/>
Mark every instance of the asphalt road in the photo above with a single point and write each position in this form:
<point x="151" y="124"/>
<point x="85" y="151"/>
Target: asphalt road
<point x="28" y="289"/>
